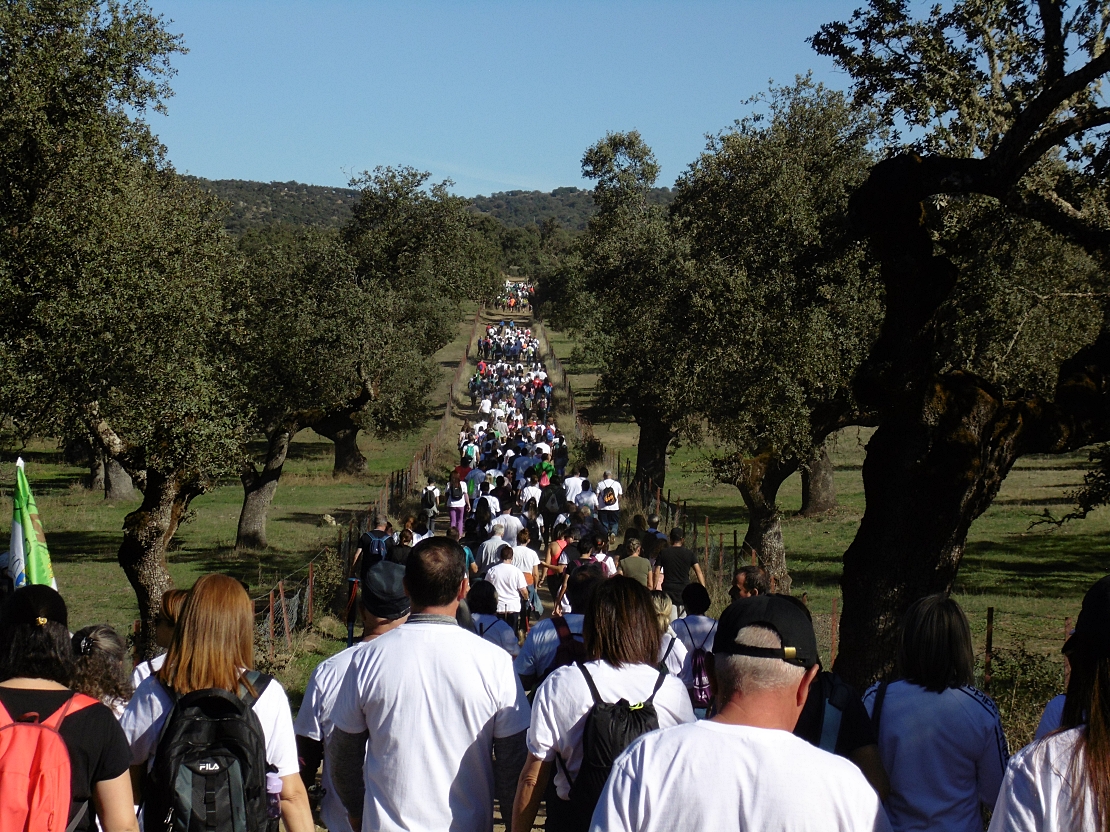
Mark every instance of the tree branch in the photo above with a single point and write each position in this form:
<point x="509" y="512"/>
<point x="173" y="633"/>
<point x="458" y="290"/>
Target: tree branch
<point x="1058" y="133"/>
<point x="1052" y="19"/>
<point x="1053" y="211"/>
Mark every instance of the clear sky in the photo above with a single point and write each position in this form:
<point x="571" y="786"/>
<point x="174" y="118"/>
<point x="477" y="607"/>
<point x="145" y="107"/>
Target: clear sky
<point x="496" y="95"/>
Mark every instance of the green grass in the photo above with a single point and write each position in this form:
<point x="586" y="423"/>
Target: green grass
<point x="1033" y="577"/>
<point x="83" y="531"/>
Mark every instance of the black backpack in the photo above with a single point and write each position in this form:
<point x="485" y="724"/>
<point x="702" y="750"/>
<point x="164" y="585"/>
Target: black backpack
<point x="209" y="771"/>
<point x="608" y="730"/>
<point x="552" y="503"/>
<point x="428" y="499"/>
<point x="456" y="492"/>
<point x="608" y="496"/>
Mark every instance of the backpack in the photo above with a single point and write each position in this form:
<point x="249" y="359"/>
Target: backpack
<point x="608" y="730"/>
<point x="210" y="764"/>
<point x="456" y="492"/>
<point x="608" y="496"/>
<point x="700" y="694"/>
<point x="837" y="696"/>
<point x="35" y="774"/>
<point x="428" y="499"/>
<point x="551" y="503"/>
<point x="379" y="548"/>
<point x="570" y="649"/>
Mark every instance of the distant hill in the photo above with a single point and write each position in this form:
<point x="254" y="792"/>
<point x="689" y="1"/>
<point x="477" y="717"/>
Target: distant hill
<point x="572" y="207"/>
<point x="253" y="204"/>
<point x="261" y="203"/>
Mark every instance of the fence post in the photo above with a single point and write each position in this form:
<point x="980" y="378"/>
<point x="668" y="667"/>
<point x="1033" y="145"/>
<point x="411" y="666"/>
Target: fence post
<point x="721" y="555"/>
<point x="271" y="623"/>
<point x="285" y="615"/>
<point x="832" y="648"/>
<point x="990" y="648"/>
<point x="735" y="551"/>
<point x="309" y="592"/>
<point x="707" y="541"/>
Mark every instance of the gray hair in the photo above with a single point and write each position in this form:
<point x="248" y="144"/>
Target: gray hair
<point x="747" y="674"/>
<point x="498" y="530"/>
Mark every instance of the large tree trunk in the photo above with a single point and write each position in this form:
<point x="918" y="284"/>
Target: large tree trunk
<point x="651" y="455"/>
<point x="259" y="488"/>
<point x="342" y="430"/>
<point x="818" y="486"/>
<point x="946" y="440"/>
<point x="96" y="480"/>
<point x="759" y="481"/>
<point x="117" y="483"/>
<point x="146" y="533"/>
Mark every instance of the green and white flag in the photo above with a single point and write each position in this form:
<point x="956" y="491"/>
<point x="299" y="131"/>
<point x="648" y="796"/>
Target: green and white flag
<point x="28" y="558"/>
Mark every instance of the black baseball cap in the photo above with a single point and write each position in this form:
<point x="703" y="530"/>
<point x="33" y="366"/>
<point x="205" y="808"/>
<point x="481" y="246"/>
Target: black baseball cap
<point x="383" y="594"/>
<point x="799" y="644"/>
<point x="1092" y="627"/>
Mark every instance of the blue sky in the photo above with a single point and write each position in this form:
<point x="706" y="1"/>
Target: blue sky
<point x="494" y="95"/>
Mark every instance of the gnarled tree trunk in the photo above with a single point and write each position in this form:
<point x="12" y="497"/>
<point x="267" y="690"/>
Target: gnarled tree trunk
<point x="146" y="533"/>
<point x="651" y="454"/>
<point x="259" y="488"/>
<point x="818" y="486"/>
<point x="341" y="429"/>
<point x="117" y="482"/>
<point x="759" y="481"/>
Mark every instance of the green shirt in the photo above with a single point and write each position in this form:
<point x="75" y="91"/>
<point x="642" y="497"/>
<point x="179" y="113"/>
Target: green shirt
<point x="636" y="567"/>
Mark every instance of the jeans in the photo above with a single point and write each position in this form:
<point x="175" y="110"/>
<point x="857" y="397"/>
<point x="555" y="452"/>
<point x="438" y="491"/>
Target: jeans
<point x="610" y="519"/>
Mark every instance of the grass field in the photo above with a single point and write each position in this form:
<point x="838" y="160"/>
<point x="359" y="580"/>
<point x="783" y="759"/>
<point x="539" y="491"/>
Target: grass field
<point x="83" y="531"/>
<point x="1034" y="577"/>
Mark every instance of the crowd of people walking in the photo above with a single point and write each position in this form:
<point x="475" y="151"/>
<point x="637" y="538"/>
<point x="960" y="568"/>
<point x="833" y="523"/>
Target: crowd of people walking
<point x="621" y="703"/>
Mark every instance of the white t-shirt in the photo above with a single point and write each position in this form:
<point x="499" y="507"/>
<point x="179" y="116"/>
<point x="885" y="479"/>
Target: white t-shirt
<point x="675" y="656"/>
<point x="508" y="581"/>
<point x="945" y="753"/>
<point x="1036" y="794"/>
<point x="728" y="778"/>
<point x="617" y="492"/>
<point x="433" y="697"/>
<point x="588" y="499"/>
<point x="572" y="487"/>
<point x="147" y="711"/>
<point x="314" y="721"/>
<point x="496" y="631"/>
<point x="530" y="492"/>
<point x="512" y="526"/>
<point x="144" y="669"/>
<point x="564" y="699"/>
<point x="540" y="645"/>
<point x="1050" y="719"/>
<point x="525" y="559"/>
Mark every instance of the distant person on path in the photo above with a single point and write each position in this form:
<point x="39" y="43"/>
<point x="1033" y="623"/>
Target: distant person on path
<point x="489" y="554"/>
<point x="586" y="497"/>
<point x="384" y="607"/>
<point x="940" y="738"/>
<point x="696" y="630"/>
<point x="672" y="568"/>
<point x="1063" y="780"/>
<point x="634" y="565"/>
<point x="374" y="546"/>
<point x="572" y="485"/>
<point x="748" y="581"/>
<point x="458" y="502"/>
<point x="429" y="504"/>
<point x="609" y="494"/>
<point x="430" y="763"/>
<point x="511" y="524"/>
<point x="742" y="770"/>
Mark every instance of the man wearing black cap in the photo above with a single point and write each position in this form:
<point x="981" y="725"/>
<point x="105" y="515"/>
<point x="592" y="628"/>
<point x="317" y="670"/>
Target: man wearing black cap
<point x="743" y="769"/>
<point x="384" y="607"/>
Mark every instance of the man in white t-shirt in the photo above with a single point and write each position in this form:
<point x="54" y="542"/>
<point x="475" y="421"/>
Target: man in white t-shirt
<point x="609" y="493"/>
<point x="423" y="712"/>
<point x="511" y="588"/>
<point x="572" y="485"/>
<point x="743" y="769"/>
<point x="531" y="491"/>
<point x="384" y="607"/>
<point x="510" y="524"/>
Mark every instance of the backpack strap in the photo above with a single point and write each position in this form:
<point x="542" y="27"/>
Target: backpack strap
<point x="877" y="711"/>
<point x="562" y="629"/>
<point x="830" y="726"/>
<point x="258" y="681"/>
<point x="593" y="688"/>
<point x="667" y="655"/>
<point x="77" y="702"/>
<point x="658" y="683"/>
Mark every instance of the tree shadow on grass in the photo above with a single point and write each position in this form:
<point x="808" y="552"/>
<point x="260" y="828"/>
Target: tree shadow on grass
<point x="1051" y="565"/>
<point x="84" y="546"/>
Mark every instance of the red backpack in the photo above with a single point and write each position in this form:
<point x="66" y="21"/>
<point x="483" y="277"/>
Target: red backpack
<point x="35" y="774"/>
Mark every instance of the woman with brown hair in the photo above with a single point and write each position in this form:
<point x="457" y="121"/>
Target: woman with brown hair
<point x="1062" y="781"/>
<point x="213" y="650"/>
<point x="100" y="667"/>
<point x="622" y="641"/>
<point x="939" y="737"/>
<point x="164" y="623"/>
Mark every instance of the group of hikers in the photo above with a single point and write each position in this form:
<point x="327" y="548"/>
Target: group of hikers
<point x="516" y="297"/>
<point x="618" y="702"/>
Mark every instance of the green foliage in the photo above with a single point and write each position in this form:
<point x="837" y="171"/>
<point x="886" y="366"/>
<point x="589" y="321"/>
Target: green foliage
<point x="570" y="207"/>
<point x="785" y="303"/>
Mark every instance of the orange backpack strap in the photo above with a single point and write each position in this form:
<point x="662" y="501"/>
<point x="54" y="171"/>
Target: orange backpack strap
<point x="77" y="702"/>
